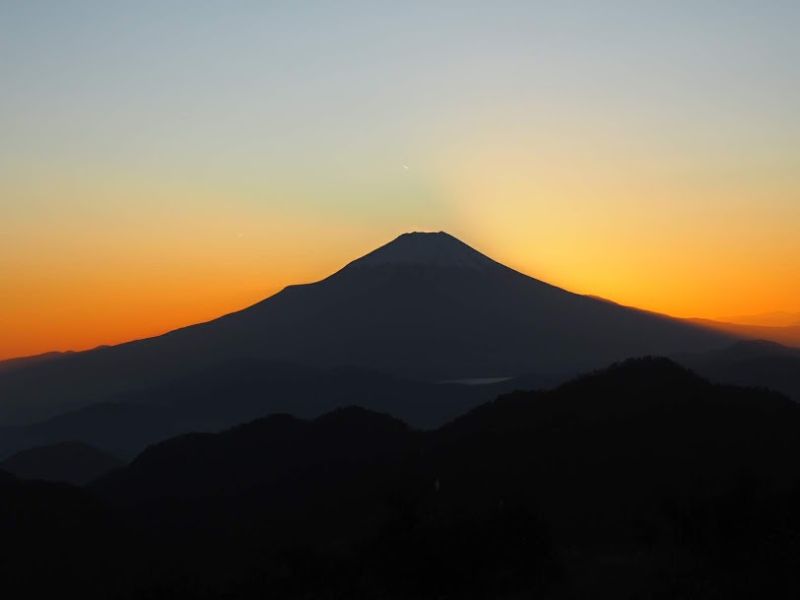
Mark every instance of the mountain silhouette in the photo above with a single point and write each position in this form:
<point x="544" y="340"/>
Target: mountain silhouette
<point x="241" y="390"/>
<point x="425" y="306"/>
<point x="602" y="443"/>
<point x="266" y="450"/>
<point x="642" y="477"/>
<point x="642" y="480"/>
<point x="751" y="363"/>
<point x="788" y="335"/>
<point x="12" y="364"/>
<point x="768" y="319"/>
<point x="69" y="462"/>
<point x="53" y="534"/>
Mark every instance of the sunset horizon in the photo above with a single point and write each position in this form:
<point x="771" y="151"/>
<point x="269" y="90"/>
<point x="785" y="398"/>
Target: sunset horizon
<point x="155" y="322"/>
<point x="164" y="167"/>
<point x="400" y="300"/>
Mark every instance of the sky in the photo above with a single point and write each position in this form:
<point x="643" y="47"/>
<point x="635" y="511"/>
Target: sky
<point x="162" y="163"/>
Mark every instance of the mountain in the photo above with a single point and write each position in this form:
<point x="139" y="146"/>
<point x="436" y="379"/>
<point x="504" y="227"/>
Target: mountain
<point x="644" y="424"/>
<point x="770" y="319"/>
<point x="642" y="477"/>
<point x="642" y="480"/>
<point x="116" y="428"/>
<point x="57" y="537"/>
<point x="425" y="306"/>
<point x="241" y="390"/>
<point x="69" y="462"/>
<point x="266" y="450"/>
<point x="787" y="334"/>
<point x="750" y="363"/>
<point x="13" y="364"/>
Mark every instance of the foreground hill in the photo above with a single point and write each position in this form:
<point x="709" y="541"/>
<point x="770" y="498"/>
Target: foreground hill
<point x="642" y="480"/>
<point x="645" y="426"/>
<point x="58" y="541"/>
<point x="425" y="306"/>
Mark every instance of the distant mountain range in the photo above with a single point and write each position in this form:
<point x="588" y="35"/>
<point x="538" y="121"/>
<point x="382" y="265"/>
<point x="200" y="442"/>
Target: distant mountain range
<point x="70" y="462"/>
<point x="425" y="307"/>
<point x="786" y="334"/>
<point x="237" y="391"/>
<point x="770" y="319"/>
<point x="750" y="363"/>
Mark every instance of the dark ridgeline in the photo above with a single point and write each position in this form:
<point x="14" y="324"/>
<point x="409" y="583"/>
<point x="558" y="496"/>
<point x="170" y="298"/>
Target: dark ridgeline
<point x="12" y="364"/>
<point x="788" y="334"/>
<point x="751" y="363"/>
<point x="246" y="389"/>
<point x="425" y="306"/>
<point x="242" y="390"/>
<point x="69" y="462"/>
<point x="641" y="480"/>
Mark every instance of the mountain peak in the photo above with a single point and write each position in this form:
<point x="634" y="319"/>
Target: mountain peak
<point x="419" y="248"/>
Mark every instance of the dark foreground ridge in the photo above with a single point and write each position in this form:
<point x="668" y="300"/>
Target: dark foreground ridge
<point x="642" y="480"/>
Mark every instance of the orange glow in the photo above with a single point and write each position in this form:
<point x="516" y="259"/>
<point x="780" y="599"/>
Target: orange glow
<point x="79" y="270"/>
<point x="159" y="168"/>
<point x="65" y="288"/>
<point x="91" y="295"/>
